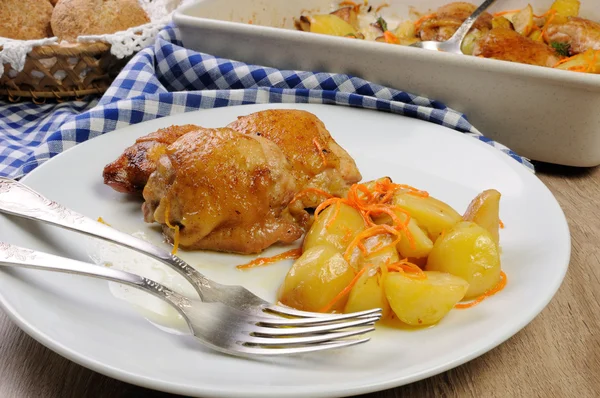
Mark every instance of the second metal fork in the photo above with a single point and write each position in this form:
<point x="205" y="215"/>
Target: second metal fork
<point x="215" y="325"/>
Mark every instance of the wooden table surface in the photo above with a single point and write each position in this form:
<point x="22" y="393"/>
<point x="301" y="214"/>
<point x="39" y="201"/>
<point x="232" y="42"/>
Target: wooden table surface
<point x="556" y="355"/>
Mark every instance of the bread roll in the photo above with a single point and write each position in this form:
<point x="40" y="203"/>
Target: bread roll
<point x="25" y="19"/>
<point x="72" y="18"/>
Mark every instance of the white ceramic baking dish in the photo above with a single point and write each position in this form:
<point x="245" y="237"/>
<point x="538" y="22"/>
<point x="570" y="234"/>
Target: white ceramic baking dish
<point x="541" y="113"/>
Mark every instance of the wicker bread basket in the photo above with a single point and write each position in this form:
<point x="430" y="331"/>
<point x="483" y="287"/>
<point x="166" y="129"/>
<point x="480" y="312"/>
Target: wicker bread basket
<point x="65" y="71"/>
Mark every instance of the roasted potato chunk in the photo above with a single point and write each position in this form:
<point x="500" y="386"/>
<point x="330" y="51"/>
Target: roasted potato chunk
<point x="484" y="211"/>
<point x="336" y="232"/>
<point x="469" y="252"/>
<point x="368" y="293"/>
<point x="315" y="279"/>
<point x="431" y="214"/>
<point x="421" y="302"/>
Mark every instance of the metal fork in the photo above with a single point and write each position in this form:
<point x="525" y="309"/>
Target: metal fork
<point x="215" y="325"/>
<point x="453" y="44"/>
<point x="19" y="200"/>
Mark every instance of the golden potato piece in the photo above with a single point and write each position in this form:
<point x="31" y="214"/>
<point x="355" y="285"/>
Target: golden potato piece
<point x="368" y="293"/>
<point x="329" y="24"/>
<point x="315" y="279"/>
<point x="484" y="211"/>
<point x="378" y="250"/>
<point x="337" y="233"/>
<point x="523" y="21"/>
<point x="421" y="302"/>
<point x="431" y="214"/>
<point x="467" y="251"/>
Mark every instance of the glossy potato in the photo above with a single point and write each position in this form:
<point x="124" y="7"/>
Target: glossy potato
<point x="329" y="24"/>
<point x="431" y="214"/>
<point x="421" y="246"/>
<point x="315" y="279"/>
<point x="523" y="21"/>
<point x="347" y="224"/>
<point x="566" y="8"/>
<point x="467" y="251"/>
<point x="484" y="211"/>
<point x="420" y="302"/>
<point x="368" y="293"/>
<point x="378" y="250"/>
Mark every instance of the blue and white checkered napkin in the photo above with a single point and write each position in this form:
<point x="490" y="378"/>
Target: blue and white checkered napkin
<point x="167" y="79"/>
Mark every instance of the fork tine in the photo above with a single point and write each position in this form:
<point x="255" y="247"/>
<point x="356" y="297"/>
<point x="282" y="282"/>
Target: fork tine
<point x="249" y="350"/>
<point x="286" y="311"/>
<point x="318" y="321"/>
<point x="315" y="338"/>
<point x="266" y="329"/>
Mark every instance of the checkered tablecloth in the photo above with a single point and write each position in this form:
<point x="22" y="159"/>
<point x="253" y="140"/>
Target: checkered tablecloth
<point x="167" y="79"/>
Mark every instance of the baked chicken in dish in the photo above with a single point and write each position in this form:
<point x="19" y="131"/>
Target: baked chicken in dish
<point x="558" y="37"/>
<point x="235" y="189"/>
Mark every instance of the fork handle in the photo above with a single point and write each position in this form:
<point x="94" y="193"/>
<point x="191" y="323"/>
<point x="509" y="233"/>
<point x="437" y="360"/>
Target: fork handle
<point x="19" y="200"/>
<point x="15" y="256"/>
<point x="463" y="29"/>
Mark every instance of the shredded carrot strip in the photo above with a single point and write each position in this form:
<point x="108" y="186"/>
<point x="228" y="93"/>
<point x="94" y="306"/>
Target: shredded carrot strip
<point x="499" y="286"/>
<point x="326" y="204"/>
<point x="412" y="270"/>
<point x="501" y="224"/>
<point x="321" y="153"/>
<point x="307" y="191"/>
<point x="552" y="14"/>
<point x="501" y="13"/>
<point x="591" y="57"/>
<point x="174" y="228"/>
<point x="336" y="211"/>
<point x="420" y="21"/>
<point x="101" y="220"/>
<point x="348" y="3"/>
<point x="262" y="261"/>
<point x="390" y="37"/>
<point x="344" y="292"/>
<point x="381" y="6"/>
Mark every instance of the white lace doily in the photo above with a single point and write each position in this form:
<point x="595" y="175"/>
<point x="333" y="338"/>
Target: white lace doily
<point x="123" y="44"/>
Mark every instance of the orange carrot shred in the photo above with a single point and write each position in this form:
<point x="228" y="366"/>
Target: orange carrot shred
<point x="383" y="5"/>
<point x="499" y="286"/>
<point x="502" y="13"/>
<point x="390" y="37"/>
<point x="420" y="21"/>
<point x="336" y="211"/>
<point x="307" y="191"/>
<point x="501" y="224"/>
<point x="263" y="261"/>
<point x="344" y="291"/>
<point x="321" y="153"/>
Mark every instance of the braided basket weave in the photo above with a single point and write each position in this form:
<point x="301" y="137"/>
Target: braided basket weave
<point x="62" y="72"/>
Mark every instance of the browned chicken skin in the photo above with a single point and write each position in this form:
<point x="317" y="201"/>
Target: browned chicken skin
<point x="581" y="34"/>
<point x="130" y="172"/>
<point x="231" y="189"/>
<point x="444" y="22"/>
<point x="317" y="161"/>
<point x="227" y="191"/>
<point x="506" y="44"/>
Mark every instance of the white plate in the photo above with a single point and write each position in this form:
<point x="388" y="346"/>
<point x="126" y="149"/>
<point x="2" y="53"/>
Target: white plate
<point x="80" y="319"/>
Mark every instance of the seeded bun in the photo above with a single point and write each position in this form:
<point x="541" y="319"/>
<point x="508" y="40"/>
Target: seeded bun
<point x="73" y="18"/>
<point x="25" y="19"/>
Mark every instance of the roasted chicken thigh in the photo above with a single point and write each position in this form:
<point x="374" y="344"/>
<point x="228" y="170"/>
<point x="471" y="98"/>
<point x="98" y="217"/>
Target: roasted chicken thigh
<point x="221" y="190"/>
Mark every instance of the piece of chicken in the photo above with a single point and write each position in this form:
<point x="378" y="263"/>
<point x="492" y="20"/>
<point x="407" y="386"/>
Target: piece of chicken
<point x="507" y="45"/>
<point x="317" y="161"/>
<point x="441" y="25"/>
<point x="130" y="172"/>
<point x="581" y="34"/>
<point x="225" y="190"/>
